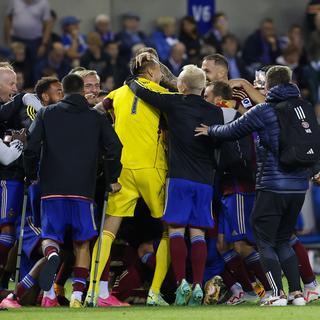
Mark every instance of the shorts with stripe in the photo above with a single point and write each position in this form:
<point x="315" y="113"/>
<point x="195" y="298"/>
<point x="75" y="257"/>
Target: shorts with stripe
<point x="188" y="203"/>
<point x="11" y="201"/>
<point x="31" y="236"/>
<point x="59" y="213"/>
<point x="234" y="218"/>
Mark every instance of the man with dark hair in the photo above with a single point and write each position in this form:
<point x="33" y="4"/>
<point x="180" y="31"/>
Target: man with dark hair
<point x="218" y="91"/>
<point x="49" y="90"/>
<point x="280" y="190"/>
<point x="67" y="195"/>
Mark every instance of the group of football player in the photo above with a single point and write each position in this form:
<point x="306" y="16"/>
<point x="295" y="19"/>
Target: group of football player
<point x="155" y="175"/>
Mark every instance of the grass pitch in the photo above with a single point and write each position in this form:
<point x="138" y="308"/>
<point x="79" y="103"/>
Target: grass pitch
<point x="240" y="312"/>
<point x="248" y="311"/>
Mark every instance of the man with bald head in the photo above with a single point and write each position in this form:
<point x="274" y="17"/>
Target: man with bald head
<point x="8" y="84"/>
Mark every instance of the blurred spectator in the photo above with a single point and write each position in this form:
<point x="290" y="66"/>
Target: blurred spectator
<point x="261" y="47"/>
<point x="28" y="21"/>
<point x="313" y="8"/>
<point x="190" y="37"/>
<point x="237" y="67"/>
<point x="72" y="39"/>
<point x="177" y="58"/>
<point x="315" y="34"/>
<point x="54" y="37"/>
<point x="164" y="37"/>
<point x="56" y="63"/>
<point x="20" y="79"/>
<point x="312" y="74"/>
<point x="108" y="84"/>
<point x="19" y="58"/>
<point x="130" y="34"/>
<point x="94" y="58"/>
<point x="220" y="28"/>
<point x="293" y="38"/>
<point x="117" y="68"/>
<point x="290" y="57"/>
<point x="102" y="26"/>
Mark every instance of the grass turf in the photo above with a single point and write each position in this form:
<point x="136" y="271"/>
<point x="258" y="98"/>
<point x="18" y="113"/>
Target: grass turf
<point x="240" y="312"/>
<point x="248" y="311"/>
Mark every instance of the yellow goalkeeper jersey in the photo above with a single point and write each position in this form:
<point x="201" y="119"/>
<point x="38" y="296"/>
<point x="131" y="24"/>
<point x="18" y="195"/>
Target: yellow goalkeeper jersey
<point x="137" y="125"/>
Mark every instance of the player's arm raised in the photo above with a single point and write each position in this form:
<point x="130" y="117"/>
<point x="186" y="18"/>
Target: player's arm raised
<point x="156" y="99"/>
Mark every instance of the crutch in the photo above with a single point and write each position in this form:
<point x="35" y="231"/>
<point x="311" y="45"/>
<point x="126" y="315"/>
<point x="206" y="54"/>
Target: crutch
<point x="23" y="216"/>
<point x="96" y="263"/>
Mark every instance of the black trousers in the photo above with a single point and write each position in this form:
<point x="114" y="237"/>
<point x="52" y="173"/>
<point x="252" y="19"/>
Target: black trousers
<point x="273" y="222"/>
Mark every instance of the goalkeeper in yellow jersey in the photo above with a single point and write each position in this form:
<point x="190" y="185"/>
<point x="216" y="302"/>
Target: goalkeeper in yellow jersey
<point x="137" y="124"/>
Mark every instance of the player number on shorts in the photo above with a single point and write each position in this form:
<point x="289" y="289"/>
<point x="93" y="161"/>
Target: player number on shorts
<point x="134" y="105"/>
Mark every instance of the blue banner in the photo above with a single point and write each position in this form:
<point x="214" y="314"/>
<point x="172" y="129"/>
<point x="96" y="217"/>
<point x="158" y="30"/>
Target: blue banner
<point x="202" y="11"/>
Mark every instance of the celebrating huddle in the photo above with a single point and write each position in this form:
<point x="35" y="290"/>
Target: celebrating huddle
<point x="167" y="165"/>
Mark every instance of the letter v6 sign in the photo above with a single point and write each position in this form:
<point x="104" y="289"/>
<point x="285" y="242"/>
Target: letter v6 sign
<point x="202" y="11"/>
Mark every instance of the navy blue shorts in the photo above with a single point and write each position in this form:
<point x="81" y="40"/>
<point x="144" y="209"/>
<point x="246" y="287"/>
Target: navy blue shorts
<point x="31" y="236"/>
<point x="234" y="218"/>
<point x="188" y="203"/>
<point x="59" y="213"/>
<point x="215" y="263"/>
<point x="11" y="201"/>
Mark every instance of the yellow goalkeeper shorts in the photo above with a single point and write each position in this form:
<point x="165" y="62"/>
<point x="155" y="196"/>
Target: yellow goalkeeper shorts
<point x="148" y="184"/>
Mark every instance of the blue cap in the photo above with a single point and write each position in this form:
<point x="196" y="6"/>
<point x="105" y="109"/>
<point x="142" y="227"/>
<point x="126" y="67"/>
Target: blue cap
<point x="68" y="20"/>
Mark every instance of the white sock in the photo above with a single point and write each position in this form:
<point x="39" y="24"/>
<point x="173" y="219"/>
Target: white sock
<point x="50" y="293"/>
<point x="236" y="289"/>
<point x="52" y="254"/>
<point x="77" y="295"/>
<point x="10" y="296"/>
<point x="312" y="284"/>
<point x="103" y="289"/>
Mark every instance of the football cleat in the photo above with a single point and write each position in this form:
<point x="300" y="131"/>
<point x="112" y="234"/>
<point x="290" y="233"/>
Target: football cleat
<point x="183" y="293"/>
<point x="111" y="301"/>
<point x="196" y="297"/>
<point x="156" y="299"/>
